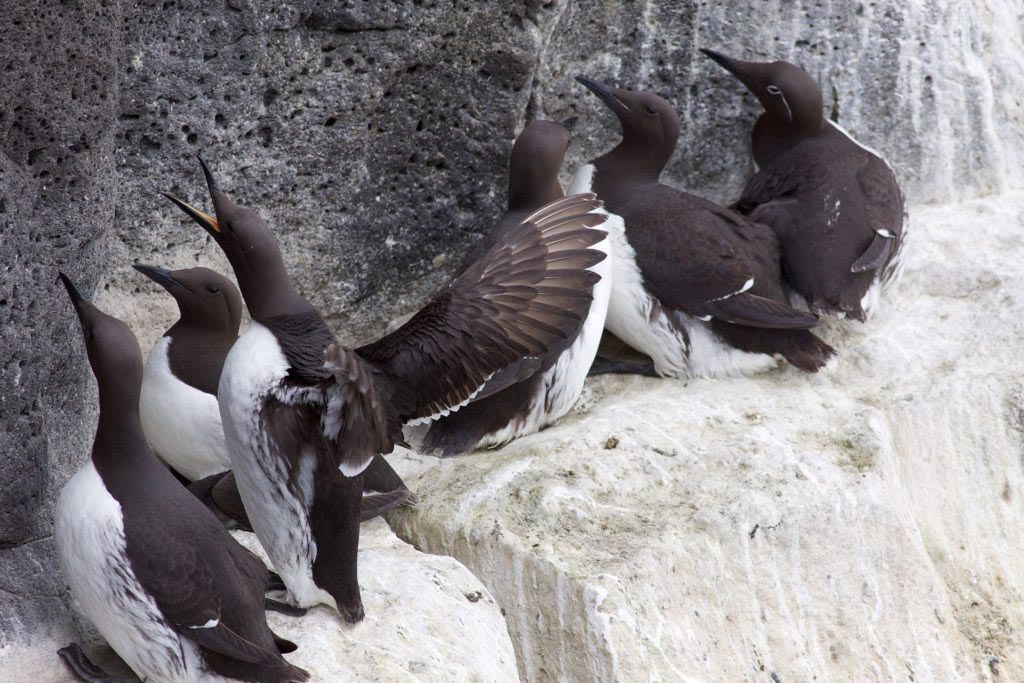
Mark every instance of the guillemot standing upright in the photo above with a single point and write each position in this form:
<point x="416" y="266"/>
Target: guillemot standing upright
<point x="303" y="416"/>
<point x="179" y="409"/>
<point x="179" y="387"/>
<point x="695" y="286"/>
<point x="553" y="382"/>
<point x="153" y="569"/>
<point x="835" y="204"/>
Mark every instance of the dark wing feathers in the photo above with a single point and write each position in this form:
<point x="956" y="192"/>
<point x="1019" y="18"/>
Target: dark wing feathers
<point x="184" y="586"/>
<point x="353" y="421"/>
<point x="875" y="256"/>
<point x="884" y="203"/>
<point x="757" y="311"/>
<point x="527" y="294"/>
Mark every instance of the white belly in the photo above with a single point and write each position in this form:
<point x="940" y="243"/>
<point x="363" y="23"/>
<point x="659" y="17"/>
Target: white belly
<point x="563" y="382"/>
<point x="89" y="532"/>
<point x="638" y="319"/>
<point x="254" y="366"/>
<point x="181" y="422"/>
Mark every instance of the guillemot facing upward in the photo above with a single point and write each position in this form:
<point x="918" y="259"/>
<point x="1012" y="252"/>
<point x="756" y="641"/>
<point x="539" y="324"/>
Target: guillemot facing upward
<point x="835" y="205"/>
<point x="180" y="414"/>
<point x="552" y="382"/>
<point x="153" y="569"/>
<point x="695" y="286"/>
<point x="303" y="416"/>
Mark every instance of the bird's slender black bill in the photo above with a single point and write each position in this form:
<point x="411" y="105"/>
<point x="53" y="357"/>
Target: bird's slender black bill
<point x="733" y="66"/>
<point x="161" y="276"/>
<point x="603" y="92"/>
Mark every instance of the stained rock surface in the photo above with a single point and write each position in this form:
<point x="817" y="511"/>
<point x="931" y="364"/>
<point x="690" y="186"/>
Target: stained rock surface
<point x="427" y="619"/>
<point x="864" y="524"/>
<point x="373" y="136"/>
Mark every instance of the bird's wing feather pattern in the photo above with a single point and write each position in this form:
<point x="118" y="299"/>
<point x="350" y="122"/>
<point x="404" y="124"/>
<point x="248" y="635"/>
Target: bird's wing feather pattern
<point x="528" y="293"/>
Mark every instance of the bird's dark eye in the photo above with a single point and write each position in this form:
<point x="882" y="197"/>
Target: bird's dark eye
<point x="212" y="289"/>
<point x="650" y="110"/>
<point x="773" y="90"/>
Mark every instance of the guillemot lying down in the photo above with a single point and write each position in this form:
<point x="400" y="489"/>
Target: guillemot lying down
<point x="835" y="204"/>
<point x="695" y="286"/>
<point x="179" y="410"/>
<point x="152" y="568"/>
<point x="553" y="382"/>
<point x="303" y="415"/>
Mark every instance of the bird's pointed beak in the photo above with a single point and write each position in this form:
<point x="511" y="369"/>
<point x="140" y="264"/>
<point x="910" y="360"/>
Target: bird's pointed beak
<point x="604" y="93"/>
<point x="211" y="182"/>
<point x="161" y="276"/>
<point x="77" y="300"/>
<point x="205" y="220"/>
<point x="741" y="70"/>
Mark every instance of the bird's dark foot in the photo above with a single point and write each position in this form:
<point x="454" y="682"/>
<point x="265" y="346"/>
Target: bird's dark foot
<point x="602" y="366"/>
<point x="83" y="669"/>
<point x="276" y="582"/>
<point x="352" y="615"/>
<point x="283" y="608"/>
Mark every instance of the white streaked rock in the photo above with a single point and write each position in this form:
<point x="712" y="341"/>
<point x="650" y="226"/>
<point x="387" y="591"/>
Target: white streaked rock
<point x="427" y="619"/>
<point x="863" y="524"/>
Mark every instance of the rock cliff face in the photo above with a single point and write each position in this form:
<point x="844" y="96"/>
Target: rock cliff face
<point x="858" y="525"/>
<point x="373" y="137"/>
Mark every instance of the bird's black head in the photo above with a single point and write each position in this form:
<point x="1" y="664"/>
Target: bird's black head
<point x="650" y="127"/>
<point x="534" y="165"/>
<point x="206" y="299"/>
<point x="788" y="94"/>
<point x="113" y="352"/>
<point x="251" y="249"/>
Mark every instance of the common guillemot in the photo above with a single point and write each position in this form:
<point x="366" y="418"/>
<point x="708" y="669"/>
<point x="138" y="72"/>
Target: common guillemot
<point x="695" y="286"/>
<point x="303" y="416"/>
<point x="835" y="204"/>
<point x="152" y="568"/>
<point x="553" y="382"/>
<point x="179" y="409"/>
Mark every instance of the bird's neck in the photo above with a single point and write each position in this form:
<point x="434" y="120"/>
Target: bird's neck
<point x="773" y="136"/>
<point x="529" y="194"/>
<point x="622" y="171"/>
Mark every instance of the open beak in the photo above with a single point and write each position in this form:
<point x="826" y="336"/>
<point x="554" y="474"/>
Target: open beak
<point x="208" y="222"/>
<point x="161" y="276"/>
<point x="604" y="93"/>
<point x="734" y="66"/>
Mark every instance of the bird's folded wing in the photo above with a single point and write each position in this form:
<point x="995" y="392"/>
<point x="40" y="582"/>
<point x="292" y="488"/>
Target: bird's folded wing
<point x="757" y="311"/>
<point x="175" y="573"/>
<point x="884" y="204"/>
<point x="528" y="293"/>
<point x="706" y="272"/>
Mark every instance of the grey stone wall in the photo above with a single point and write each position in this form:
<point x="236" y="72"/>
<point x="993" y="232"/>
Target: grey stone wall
<point x="373" y="137"/>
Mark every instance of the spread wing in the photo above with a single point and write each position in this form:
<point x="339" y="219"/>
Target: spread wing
<point x="711" y="268"/>
<point x="527" y="294"/>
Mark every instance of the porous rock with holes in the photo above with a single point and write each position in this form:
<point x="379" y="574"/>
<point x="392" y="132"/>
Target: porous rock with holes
<point x="374" y="136"/>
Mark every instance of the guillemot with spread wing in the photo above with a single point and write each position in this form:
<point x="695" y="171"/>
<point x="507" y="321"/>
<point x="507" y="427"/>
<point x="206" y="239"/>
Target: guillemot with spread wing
<point x="303" y="415"/>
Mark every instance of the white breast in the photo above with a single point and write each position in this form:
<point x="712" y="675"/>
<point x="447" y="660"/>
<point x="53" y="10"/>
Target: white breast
<point x="181" y="422"/>
<point x="89" y="533"/>
<point x="252" y="370"/>
<point x="563" y="382"/>
<point x="640" y="320"/>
